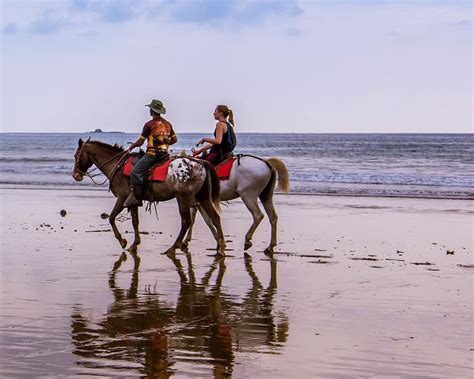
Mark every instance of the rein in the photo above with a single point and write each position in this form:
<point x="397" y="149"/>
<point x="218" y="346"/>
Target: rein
<point x="97" y="167"/>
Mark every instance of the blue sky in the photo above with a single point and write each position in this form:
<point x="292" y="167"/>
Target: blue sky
<point x="283" y="66"/>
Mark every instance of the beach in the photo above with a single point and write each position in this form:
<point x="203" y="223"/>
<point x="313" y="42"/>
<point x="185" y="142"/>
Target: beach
<point x="357" y="287"/>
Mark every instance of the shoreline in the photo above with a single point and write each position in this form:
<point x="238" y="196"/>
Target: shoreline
<point x="90" y="187"/>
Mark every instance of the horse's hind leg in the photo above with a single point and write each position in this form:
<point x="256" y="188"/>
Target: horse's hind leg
<point x="135" y="223"/>
<point x="251" y="202"/>
<point x="266" y="197"/>
<point x="267" y="202"/>
<point x="213" y="220"/>
<point x="209" y="222"/>
<point x="189" y="235"/>
<point x="185" y="212"/>
<point x="118" y="207"/>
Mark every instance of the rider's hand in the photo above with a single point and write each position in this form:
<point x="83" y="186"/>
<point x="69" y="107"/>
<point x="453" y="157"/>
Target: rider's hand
<point x="200" y="142"/>
<point x="195" y="152"/>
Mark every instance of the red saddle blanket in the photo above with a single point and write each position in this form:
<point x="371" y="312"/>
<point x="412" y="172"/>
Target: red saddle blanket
<point x="157" y="174"/>
<point x="223" y="170"/>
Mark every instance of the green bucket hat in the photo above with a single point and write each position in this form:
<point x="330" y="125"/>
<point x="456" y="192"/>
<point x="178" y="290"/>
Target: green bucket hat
<point x="157" y="106"/>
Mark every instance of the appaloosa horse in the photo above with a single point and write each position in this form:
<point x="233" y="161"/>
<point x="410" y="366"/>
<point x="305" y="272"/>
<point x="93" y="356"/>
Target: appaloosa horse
<point x="252" y="178"/>
<point x="188" y="180"/>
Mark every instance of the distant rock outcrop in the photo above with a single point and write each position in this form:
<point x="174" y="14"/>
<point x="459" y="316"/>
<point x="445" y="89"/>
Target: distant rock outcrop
<point x="101" y="131"/>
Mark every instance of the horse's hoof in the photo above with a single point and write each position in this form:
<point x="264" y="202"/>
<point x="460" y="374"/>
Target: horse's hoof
<point x="123" y="243"/>
<point x="268" y="251"/>
<point x="247" y="245"/>
<point x="184" y="244"/>
<point x="170" y="251"/>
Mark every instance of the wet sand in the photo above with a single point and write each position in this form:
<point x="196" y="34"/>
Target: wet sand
<point x="358" y="287"/>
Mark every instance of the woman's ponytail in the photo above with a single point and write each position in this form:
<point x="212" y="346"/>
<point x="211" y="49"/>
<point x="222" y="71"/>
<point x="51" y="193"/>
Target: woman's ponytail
<point x="231" y="117"/>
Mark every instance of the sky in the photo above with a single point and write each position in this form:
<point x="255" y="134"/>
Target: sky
<point x="286" y="66"/>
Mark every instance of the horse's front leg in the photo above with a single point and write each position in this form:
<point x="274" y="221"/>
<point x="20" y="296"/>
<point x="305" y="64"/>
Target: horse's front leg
<point x="118" y="207"/>
<point x="185" y="212"/>
<point x="135" y="222"/>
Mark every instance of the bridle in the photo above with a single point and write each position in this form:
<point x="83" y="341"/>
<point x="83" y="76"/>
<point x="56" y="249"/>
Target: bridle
<point x="89" y="174"/>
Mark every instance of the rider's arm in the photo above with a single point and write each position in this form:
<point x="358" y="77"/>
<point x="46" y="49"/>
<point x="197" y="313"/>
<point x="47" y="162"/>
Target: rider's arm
<point x="219" y="133"/>
<point x="137" y="143"/>
<point x="204" y="148"/>
<point x="145" y="133"/>
<point x="173" y="138"/>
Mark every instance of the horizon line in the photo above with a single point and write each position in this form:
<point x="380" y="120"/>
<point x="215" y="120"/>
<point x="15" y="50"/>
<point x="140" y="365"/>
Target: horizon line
<point x="275" y="133"/>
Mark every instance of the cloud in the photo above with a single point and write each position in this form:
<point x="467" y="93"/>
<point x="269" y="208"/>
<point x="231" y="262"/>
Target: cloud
<point x="84" y="14"/>
<point x="234" y="11"/>
<point x="47" y="24"/>
<point x="200" y="11"/>
<point x="467" y="23"/>
<point x="293" y="32"/>
<point x="11" y="28"/>
<point x="112" y="11"/>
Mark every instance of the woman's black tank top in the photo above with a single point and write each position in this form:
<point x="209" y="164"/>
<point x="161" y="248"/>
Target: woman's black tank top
<point x="228" y="143"/>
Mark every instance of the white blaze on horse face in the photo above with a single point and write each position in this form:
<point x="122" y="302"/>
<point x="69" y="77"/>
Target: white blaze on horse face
<point x="184" y="170"/>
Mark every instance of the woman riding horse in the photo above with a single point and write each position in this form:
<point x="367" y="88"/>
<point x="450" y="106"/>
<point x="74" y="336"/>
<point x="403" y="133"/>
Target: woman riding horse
<point x="251" y="178"/>
<point x="224" y="141"/>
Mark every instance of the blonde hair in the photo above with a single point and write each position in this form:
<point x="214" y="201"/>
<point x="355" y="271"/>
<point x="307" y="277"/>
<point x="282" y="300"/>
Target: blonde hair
<point x="227" y="112"/>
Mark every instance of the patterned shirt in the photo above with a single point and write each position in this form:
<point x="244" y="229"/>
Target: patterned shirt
<point x="158" y="132"/>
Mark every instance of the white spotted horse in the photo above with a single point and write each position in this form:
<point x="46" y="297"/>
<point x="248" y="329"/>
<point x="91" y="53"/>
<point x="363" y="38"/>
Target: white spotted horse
<point x="251" y="178"/>
<point x="188" y="180"/>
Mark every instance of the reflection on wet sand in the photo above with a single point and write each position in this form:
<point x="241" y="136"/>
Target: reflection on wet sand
<point x="203" y="331"/>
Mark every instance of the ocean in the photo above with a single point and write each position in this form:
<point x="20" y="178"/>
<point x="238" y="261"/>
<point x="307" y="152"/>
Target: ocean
<point x="400" y="165"/>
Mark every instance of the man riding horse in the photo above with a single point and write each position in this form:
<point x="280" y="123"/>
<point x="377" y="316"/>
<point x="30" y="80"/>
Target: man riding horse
<point x="160" y="135"/>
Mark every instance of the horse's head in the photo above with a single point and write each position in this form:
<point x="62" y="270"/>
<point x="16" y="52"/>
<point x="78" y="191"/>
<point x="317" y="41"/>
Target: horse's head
<point x="82" y="161"/>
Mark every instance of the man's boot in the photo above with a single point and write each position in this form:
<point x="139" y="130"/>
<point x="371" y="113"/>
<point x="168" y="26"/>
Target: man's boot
<point x="134" y="198"/>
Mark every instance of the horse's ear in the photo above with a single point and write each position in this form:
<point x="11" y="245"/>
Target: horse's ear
<point x="88" y="139"/>
<point x="80" y="142"/>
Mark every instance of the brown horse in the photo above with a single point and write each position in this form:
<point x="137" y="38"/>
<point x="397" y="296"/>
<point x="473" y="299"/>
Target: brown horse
<point x="188" y="180"/>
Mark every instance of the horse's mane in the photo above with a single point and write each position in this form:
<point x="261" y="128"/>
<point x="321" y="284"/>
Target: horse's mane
<point x="112" y="148"/>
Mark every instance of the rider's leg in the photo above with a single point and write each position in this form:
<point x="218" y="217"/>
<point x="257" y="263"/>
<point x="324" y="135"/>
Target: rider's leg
<point x="137" y="178"/>
<point x="212" y="158"/>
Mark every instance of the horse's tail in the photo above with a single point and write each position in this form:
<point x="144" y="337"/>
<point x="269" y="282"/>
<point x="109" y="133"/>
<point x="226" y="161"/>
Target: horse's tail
<point x="283" y="176"/>
<point x="212" y="185"/>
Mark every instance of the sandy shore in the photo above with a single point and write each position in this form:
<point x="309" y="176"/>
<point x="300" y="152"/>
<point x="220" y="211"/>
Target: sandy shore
<point x="358" y="287"/>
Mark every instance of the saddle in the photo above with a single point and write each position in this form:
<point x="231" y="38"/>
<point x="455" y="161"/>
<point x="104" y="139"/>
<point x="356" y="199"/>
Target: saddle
<point x="224" y="168"/>
<point x="157" y="172"/>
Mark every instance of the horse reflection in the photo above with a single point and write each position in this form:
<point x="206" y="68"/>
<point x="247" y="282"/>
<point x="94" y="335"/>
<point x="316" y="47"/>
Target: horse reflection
<point x="133" y="331"/>
<point x="259" y="325"/>
<point x="140" y="332"/>
<point x="207" y="314"/>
